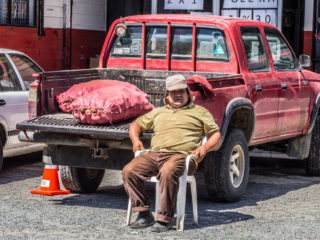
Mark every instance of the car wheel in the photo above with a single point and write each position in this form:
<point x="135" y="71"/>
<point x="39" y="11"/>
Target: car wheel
<point x="313" y="160"/>
<point x="227" y="170"/>
<point x="82" y="180"/>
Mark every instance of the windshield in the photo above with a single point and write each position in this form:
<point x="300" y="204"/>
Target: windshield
<point x="25" y="67"/>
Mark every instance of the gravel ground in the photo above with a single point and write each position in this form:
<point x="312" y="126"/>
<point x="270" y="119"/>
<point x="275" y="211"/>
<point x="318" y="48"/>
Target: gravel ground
<point x="280" y="203"/>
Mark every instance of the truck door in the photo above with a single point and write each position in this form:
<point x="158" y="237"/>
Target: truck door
<point x="262" y="85"/>
<point x="294" y="96"/>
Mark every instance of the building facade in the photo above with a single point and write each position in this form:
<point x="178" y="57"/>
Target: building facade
<point x="66" y="34"/>
<point x="58" y="34"/>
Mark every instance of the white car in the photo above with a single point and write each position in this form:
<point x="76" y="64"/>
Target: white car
<point x="16" y="71"/>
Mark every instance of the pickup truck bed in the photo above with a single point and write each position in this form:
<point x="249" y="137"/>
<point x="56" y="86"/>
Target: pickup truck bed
<point x="150" y="81"/>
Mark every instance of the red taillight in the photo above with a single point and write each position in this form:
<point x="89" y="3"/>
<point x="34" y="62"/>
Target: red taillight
<point x="33" y="99"/>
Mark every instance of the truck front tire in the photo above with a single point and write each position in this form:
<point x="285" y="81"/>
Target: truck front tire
<point x="313" y="160"/>
<point x="227" y="170"/>
<point x="81" y="180"/>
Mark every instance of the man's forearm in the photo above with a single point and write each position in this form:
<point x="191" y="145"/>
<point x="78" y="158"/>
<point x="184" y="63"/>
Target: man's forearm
<point x="212" y="141"/>
<point x="134" y="131"/>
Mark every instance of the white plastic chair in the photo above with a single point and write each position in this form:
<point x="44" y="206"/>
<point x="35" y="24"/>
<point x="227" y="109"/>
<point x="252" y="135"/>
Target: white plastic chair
<point x="181" y="198"/>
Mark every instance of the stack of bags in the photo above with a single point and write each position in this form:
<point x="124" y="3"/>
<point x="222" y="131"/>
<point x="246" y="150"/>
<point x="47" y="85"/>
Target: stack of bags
<point x="104" y="101"/>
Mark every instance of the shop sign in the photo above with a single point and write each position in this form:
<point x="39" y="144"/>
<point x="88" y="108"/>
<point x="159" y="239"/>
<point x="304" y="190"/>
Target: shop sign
<point x="250" y="4"/>
<point x="261" y="10"/>
<point x="183" y="4"/>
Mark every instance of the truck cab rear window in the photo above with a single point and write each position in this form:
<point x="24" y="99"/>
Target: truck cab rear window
<point x="129" y="45"/>
<point x="181" y="43"/>
<point x="156" y="40"/>
<point x="211" y="45"/>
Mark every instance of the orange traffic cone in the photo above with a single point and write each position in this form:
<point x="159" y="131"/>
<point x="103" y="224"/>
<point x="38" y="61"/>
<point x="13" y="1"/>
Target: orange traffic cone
<point x="50" y="182"/>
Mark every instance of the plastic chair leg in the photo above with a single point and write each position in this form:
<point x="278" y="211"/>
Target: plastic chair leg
<point x="129" y="212"/>
<point x="157" y="197"/>
<point x="193" y="187"/>
<point x="181" y="203"/>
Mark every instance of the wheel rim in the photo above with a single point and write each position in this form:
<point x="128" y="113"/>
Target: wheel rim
<point x="91" y="173"/>
<point x="237" y="166"/>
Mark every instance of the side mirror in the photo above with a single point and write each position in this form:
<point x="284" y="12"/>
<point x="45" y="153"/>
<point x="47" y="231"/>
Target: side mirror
<point x="305" y="60"/>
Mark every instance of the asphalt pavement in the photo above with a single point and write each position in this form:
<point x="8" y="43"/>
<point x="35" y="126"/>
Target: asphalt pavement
<point x="281" y="202"/>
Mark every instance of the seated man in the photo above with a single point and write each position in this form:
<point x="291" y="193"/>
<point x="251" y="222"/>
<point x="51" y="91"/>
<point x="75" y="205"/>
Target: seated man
<point x="179" y="128"/>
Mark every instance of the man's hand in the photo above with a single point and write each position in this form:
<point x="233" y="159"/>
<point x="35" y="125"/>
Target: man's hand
<point x="134" y="132"/>
<point x="137" y="145"/>
<point x="200" y="153"/>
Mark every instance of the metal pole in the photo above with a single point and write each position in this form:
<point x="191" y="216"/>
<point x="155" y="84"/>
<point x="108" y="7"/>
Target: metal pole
<point x="216" y="7"/>
<point x="70" y="34"/>
<point x="64" y="34"/>
<point x="154" y="6"/>
<point x="106" y="14"/>
<point x="280" y="7"/>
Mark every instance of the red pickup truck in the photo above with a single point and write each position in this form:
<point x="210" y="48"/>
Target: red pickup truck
<point x="262" y="97"/>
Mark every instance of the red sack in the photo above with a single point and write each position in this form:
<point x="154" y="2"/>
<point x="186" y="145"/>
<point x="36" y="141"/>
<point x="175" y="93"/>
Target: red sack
<point x="110" y="105"/>
<point x="207" y="88"/>
<point x="66" y="98"/>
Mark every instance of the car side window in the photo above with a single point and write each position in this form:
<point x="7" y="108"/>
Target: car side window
<point x="156" y="42"/>
<point x="128" y="45"/>
<point x="181" y="43"/>
<point x="255" y="49"/>
<point x="282" y="57"/>
<point x="26" y="68"/>
<point x="8" y="78"/>
<point x="211" y="45"/>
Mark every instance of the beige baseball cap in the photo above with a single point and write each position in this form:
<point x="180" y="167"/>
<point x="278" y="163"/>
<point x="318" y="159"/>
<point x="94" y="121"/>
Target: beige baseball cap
<point x="176" y="82"/>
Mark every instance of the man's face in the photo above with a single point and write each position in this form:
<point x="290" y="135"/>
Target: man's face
<point x="178" y="98"/>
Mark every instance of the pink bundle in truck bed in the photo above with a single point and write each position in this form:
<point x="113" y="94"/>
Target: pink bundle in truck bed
<point x="97" y="102"/>
<point x="66" y="98"/>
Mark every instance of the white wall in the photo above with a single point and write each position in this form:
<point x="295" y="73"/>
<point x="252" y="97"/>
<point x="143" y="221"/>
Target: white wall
<point x="89" y="15"/>
<point x="308" y="15"/>
<point x="53" y="15"/>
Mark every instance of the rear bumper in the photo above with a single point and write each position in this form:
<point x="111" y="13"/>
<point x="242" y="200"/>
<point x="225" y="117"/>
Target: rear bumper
<point x="73" y="140"/>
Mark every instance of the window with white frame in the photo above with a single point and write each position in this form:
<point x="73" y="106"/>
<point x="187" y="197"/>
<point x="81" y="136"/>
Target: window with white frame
<point x="18" y="13"/>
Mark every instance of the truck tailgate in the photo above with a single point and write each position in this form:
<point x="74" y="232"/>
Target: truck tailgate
<point x="67" y="124"/>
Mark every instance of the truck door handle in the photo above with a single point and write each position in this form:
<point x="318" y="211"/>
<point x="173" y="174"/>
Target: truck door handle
<point x="2" y="102"/>
<point x="304" y="82"/>
<point x="258" y="88"/>
<point x="283" y="86"/>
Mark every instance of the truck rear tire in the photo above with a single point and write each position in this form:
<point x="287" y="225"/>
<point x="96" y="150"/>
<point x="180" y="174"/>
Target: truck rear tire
<point x="81" y="180"/>
<point x="313" y="160"/>
<point x="227" y="170"/>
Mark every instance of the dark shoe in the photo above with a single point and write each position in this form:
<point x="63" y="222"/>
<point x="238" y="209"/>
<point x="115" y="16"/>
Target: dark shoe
<point x="160" y="227"/>
<point x="144" y="219"/>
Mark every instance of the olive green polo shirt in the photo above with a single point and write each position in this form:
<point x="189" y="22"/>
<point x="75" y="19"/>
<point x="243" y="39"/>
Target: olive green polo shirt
<point x="178" y="130"/>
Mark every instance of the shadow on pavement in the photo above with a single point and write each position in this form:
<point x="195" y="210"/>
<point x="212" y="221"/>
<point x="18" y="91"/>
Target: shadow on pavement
<point x="269" y="178"/>
<point x="21" y="167"/>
